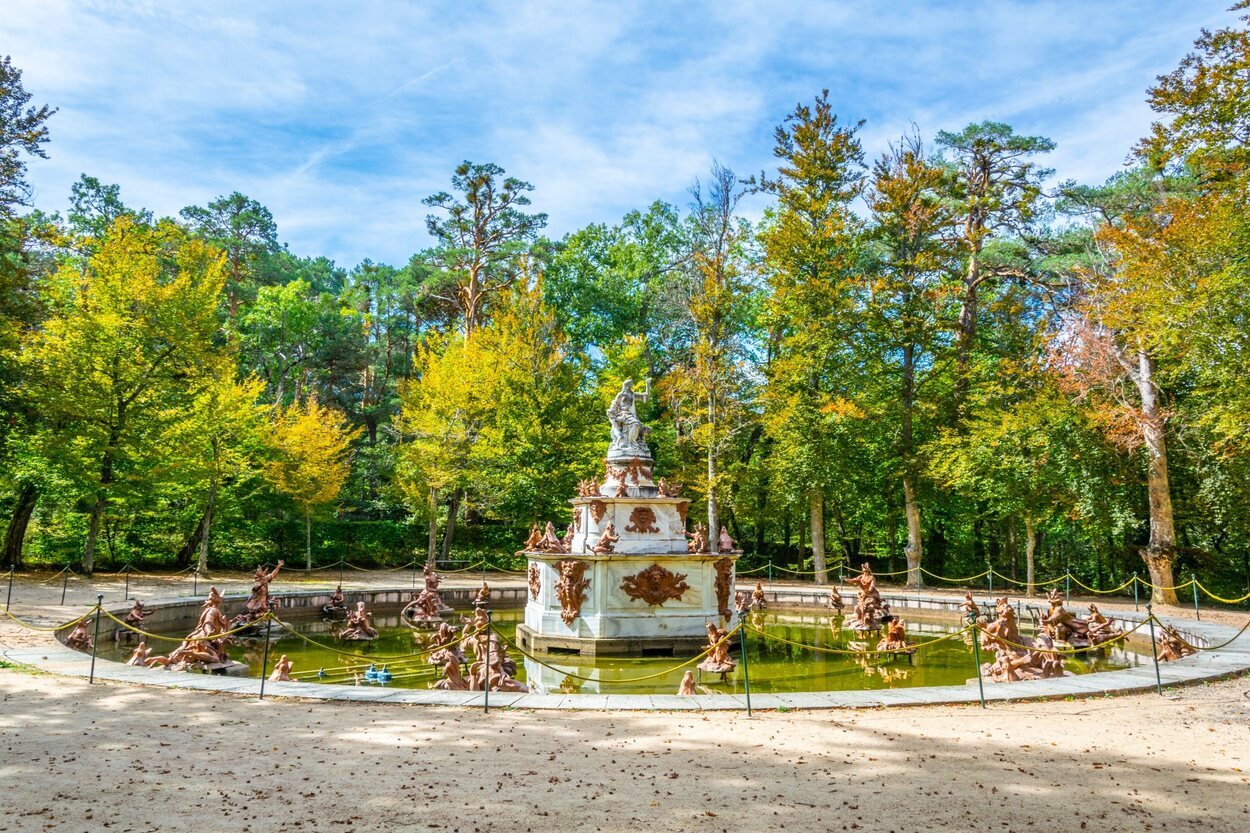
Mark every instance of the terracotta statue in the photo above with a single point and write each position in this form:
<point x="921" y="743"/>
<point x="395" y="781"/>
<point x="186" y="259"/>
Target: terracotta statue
<point x="359" y="626"/>
<point x="206" y="646"/>
<point x="687" y="689"/>
<point x="446" y="642"/>
<point x="532" y="541"/>
<point x="1018" y="658"/>
<point x="1101" y="629"/>
<point x="137" y="614"/>
<point x="607" y="541"/>
<point x="502" y="670"/>
<point x="257" y="604"/>
<point x="868" y="605"/>
<point x="895" y="639"/>
<point x="835" y="601"/>
<point x="482" y="599"/>
<point x="1172" y="645"/>
<point x="622" y="490"/>
<point x="566" y="545"/>
<point x="140" y="655"/>
<point x="425" y="608"/>
<point x="337" y="603"/>
<point x="80" y="637"/>
<point x="1061" y="625"/>
<point x="723" y="542"/>
<point x="281" y="671"/>
<point x="550" y="542"/>
<point x="570" y="588"/>
<point x="431" y="578"/>
<point x="758" y="601"/>
<point x="718" y="660"/>
<point x="698" y="539"/>
<point x="971" y="611"/>
<point x="473" y="634"/>
<point x="587" y="488"/>
<point x="453" y="679"/>
<point x="666" y="489"/>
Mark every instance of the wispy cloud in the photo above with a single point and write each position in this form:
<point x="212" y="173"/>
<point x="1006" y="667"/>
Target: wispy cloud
<point x="341" y="118"/>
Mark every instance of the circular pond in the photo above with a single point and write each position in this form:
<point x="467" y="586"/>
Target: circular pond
<point x="801" y="652"/>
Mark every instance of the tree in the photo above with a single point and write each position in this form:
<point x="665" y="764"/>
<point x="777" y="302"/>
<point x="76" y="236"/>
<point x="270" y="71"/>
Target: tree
<point x="996" y="189"/>
<point x="483" y="238"/>
<point x="811" y="248"/>
<point x="94" y="207"/>
<point x="902" y="300"/>
<point x="708" y="387"/>
<point x="123" y="349"/>
<point x="23" y="132"/>
<point x="242" y="228"/>
<point x="311" y="444"/>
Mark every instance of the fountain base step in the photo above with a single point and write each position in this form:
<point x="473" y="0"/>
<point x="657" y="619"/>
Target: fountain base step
<point x="635" y="646"/>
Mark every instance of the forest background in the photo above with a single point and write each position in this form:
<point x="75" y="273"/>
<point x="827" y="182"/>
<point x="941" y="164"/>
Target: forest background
<point x="935" y="355"/>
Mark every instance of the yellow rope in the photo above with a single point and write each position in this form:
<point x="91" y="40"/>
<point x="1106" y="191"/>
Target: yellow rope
<point x="1236" y="636"/>
<point x="209" y="638"/>
<point x="31" y="627"/>
<point x="957" y="580"/>
<point x="371" y="656"/>
<point x="851" y="652"/>
<point x="1222" y="599"/>
<point x="1081" y="584"/>
<point x="1053" y="650"/>
<point x="663" y="673"/>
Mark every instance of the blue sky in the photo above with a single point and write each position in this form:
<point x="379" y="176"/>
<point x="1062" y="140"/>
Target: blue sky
<point x="341" y="117"/>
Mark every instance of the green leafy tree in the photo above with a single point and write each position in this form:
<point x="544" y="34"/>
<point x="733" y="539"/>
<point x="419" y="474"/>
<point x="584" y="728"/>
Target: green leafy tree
<point x="245" y="230"/>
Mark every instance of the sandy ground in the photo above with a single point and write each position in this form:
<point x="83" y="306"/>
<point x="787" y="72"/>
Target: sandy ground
<point x="119" y="758"/>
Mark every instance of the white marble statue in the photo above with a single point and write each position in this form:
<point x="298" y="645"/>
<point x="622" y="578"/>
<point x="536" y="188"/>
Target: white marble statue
<point x="629" y="435"/>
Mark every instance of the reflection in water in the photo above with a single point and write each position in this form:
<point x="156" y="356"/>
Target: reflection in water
<point x="775" y="666"/>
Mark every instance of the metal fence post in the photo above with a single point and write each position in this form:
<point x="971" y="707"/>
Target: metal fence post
<point x="126" y="572"/>
<point x="991" y="577"/>
<point x="1135" y="602"/>
<point x="99" y="601"/>
<point x="340" y="571"/>
<point x="64" y="584"/>
<point x="264" y="662"/>
<point x="486" y="667"/>
<point x="976" y="656"/>
<point x="1194" y="583"/>
<point x="746" y="664"/>
<point x="195" y="580"/>
<point x="1154" y="648"/>
<point x="770" y="571"/>
<point x="1067" y="584"/>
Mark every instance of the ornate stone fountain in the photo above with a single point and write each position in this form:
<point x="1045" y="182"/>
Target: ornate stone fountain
<point x="624" y="579"/>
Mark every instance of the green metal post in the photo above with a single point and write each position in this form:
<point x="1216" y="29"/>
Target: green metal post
<point x="1194" y="584"/>
<point x="486" y="667"/>
<point x="976" y="656"/>
<point x="195" y="581"/>
<point x="1067" y="584"/>
<point x="991" y="577"/>
<point x="99" y="601"/>
<point x="746" y="665"/>
<point x="1154" y="648"/>
<point x="126" y="571"/>
<point x="264" y="663"/>
<point x="1135" y="600"/>
<point x="770" y="571"/>
<point x="64" y="584"/>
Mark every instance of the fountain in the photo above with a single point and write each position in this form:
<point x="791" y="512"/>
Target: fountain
<point x="625" y="579"/>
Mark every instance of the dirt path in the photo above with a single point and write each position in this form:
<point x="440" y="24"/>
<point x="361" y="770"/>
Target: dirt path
<point x="117" y="758"/>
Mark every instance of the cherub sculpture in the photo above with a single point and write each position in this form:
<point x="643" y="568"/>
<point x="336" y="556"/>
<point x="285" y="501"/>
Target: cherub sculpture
<point x="607" y="541"/>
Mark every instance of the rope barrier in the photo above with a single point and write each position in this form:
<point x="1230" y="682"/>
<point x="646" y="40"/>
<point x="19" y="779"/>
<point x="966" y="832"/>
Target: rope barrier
<point x="333" y="650"/>
<point x="68" y="624"/>
<point x="1064" y="651"/>
<point x="208" y="638"/>
<point x="852" y="652"/>
<point x="956" y="580"/>
<point x="663" y="673"/>
<point x="1081" y="584"/>
<point x="1220" y="598"/>
<point x="1236" y="636"/>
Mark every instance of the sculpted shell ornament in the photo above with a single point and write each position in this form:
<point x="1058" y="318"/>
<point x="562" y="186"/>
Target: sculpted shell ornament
<point x="571" y="589"/>
<point x="655" y="585"/>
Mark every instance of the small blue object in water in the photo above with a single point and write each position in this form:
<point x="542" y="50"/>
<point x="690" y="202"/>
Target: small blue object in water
<point x="371" y="673"/>
<point x="384" y="676"/>
<point x="321" y="672"/>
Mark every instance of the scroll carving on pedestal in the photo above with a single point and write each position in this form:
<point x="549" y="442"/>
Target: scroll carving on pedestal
<point x="571" y="589"/>
<point x="724" y="577"/>
<point x="642" y="520"/>
<point x="655" y="585"/>
<point x="535" y="581"/>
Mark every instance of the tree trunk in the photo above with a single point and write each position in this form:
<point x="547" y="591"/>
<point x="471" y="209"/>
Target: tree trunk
<point x="308" y="540"/>
<point x="1160" y="552"/>
<point x="93" y="533"/>
<point x="449" y="531"/>
<point x="1030" y="553"/>
<point x="818" y="538"/>
<point x="713" y="511"/>
<point x="206" y="530"/>
<point x="915" y="547"/>
<point x="431" y="549"/>
<point x="967" y="329"/>
<point x="1013" y="549"/>
<point x="189" y="546"/>
<point x="15" y="537"/>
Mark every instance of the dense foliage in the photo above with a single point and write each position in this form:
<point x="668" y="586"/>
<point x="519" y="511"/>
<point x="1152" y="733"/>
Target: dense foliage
<point x="925" y="354"/>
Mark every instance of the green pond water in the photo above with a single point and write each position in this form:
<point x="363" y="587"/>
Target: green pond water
<point x="774" y="666"/>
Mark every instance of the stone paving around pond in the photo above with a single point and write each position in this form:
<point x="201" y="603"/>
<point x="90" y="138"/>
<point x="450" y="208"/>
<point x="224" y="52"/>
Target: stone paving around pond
<point x="37" y="602"/>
